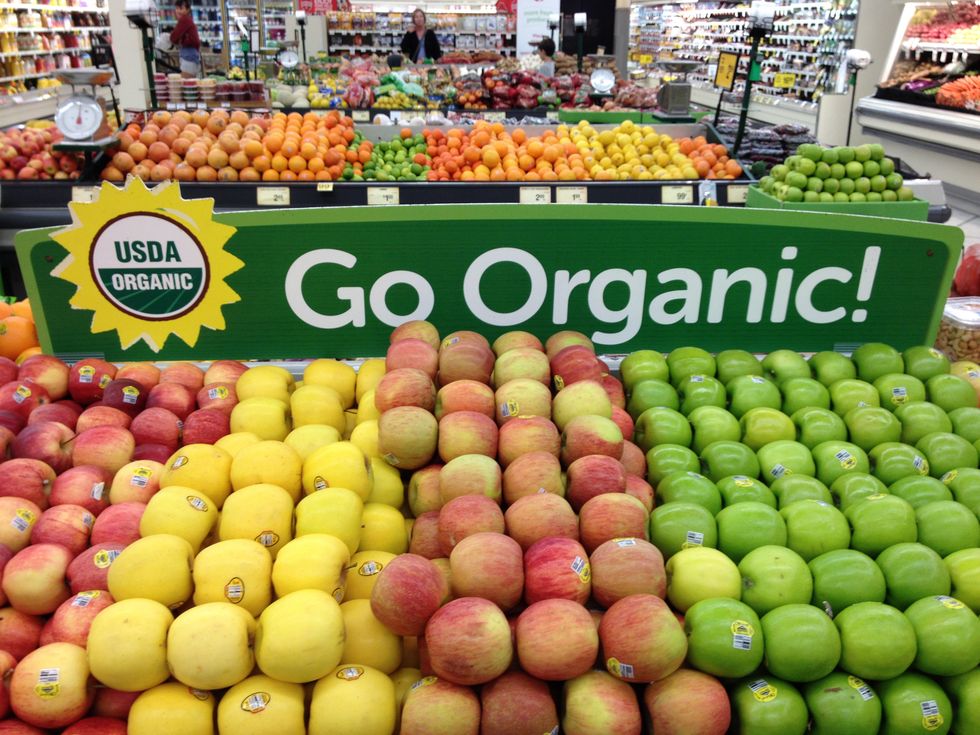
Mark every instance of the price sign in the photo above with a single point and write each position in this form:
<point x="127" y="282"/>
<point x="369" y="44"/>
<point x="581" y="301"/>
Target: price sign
<point x="784" y="80"/>
<point x="551" y="114"/>
<point x="361" y="115"/>
<point x="491" y="116"/>
<point x="677" y="195"/>
<point x="571" y="195"/>
<point x="646" y="59"/>
<point x="535" y="195"/>
<point x="725" y="72"/>
<point x="324" y="186"/>
<point x="84" y="194"/>
<point x="737" y="193"/>
<point x="382" y="195"/>
<point x="272" y="196"/>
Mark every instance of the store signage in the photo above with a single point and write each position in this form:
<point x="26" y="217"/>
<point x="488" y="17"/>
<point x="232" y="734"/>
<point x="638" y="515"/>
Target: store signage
<point x="320" y="7"/>
<point x="784" y="80"/>
<point x="532" y="22"/>
<point x="146" y="275"/>
<point x="726" y="70"/>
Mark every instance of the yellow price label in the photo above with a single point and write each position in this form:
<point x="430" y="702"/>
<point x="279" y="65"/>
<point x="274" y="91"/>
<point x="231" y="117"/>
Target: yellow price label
<point x="784" y="80"/>
<point x="646" y="59"/>
<point x="726" y="70"/>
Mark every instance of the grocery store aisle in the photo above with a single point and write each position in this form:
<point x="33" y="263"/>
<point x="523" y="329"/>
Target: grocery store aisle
<point x="969" y="223"/>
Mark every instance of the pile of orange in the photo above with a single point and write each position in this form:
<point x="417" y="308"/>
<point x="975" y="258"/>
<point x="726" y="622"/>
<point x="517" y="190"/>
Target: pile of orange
<point x="711" y="160"/>
<point x="18" y="337"/>
<point x="222" y="145"/>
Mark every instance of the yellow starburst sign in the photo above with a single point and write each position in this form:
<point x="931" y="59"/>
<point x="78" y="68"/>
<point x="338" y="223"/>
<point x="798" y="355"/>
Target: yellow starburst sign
<point x="148" y="263"/>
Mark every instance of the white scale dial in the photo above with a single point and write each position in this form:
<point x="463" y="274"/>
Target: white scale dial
<point x="79" y="118"/>
<point x="289" y="59"/>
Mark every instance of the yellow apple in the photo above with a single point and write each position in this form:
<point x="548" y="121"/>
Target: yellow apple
<point x="341" y="464"/>
<point x="157" y="568"/>
<point x="300" y="637"/>
<point x="263" y="513"/>
<point x="336" y="511"/>
<point x="316" y="404"/>
<point x="353" y="699"/>
<point x="265" y="381"/>
<point x="263" y="706"/>
<point x="383" y="528"/>
<point x="235" y="442"/>
<point x="172" y="708"/>
<point x="363" y="571"/>
<point x="208" y="645"/>
<point x="315" y="561"/>
<point x="127" y="645"/>
<point x="267" y="418"/>
<point x="365" y="436"/>
<point x="350" y="422"/>
<point x="200" y="466"/>
<point x="368" y="641"/>
<point x="238" y="571"/>
<point x="366" y="410"/>
<point x="335" y="375"/>
<point x="387" y="486"/>
<point x="307" y="439"/>
<point x="403" y="679"/>
<point x="272" y="462"/>
<point x="368" y="376"/>
<point x="182" y="511"/>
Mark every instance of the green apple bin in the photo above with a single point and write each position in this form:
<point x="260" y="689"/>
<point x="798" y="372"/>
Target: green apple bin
<point x="917" y="209"/>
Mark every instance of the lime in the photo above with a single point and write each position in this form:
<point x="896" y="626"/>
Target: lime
<point x="417" y="169"/>
<point x="894" y="181"/>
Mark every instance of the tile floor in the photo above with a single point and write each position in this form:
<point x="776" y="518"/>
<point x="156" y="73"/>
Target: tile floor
<point x="966" y="216"/>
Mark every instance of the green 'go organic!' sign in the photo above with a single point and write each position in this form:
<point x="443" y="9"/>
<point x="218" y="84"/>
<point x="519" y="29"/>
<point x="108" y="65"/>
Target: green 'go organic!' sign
<point x="143" y="274"/>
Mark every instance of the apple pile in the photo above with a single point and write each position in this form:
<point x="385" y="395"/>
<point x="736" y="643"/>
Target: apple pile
<point x="26" y="154"/>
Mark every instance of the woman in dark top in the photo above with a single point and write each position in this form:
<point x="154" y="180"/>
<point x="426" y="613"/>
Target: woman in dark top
<point x="420" y="43"/>
<point x="184" y="35"/>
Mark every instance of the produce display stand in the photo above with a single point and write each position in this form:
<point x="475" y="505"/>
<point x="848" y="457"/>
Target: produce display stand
<point x="917" y="209"/>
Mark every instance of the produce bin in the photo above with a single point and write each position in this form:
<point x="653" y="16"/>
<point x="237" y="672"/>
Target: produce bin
<point x="917" y="209"/>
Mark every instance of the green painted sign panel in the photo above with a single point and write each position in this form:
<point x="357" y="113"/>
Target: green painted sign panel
<point x="335" y="281"/>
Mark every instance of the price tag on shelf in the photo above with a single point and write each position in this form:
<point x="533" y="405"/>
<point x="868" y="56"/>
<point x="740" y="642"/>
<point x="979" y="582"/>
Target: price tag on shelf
<point x="677" y="195"/>
<point x="361" y="115"/>
<point x="324" y="186"/>
<point x="84" y="194"/>
<point x="382" y="195"/>
<point x="173" y="106"/>
<point x="571" y="195"/>
<point x="202" y="105"/>
<point x="784" y="80"/>
<point x="552" y="115"/>
<point x="535" y="195"/>
<point x="492" y="116"/>
<point x="646" y="58"/>
<point x="737" y="193"/>
<point x="226" y="104"/>
<point x="272" y="196"/>
<point x="395" y="115"/>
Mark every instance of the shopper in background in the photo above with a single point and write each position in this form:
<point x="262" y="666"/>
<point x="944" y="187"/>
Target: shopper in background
<point x="185" y="37"/>
<point x="546" y="51"/>
<point x="420" y="43"/>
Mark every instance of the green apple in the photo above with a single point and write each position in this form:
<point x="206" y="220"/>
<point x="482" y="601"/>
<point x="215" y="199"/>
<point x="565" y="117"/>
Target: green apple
<point x="947" y="633"/>
<point x="676" y="526"/>
<point x="724" y="637"/>
<point x="950" y="392"/>
<point x="834" y="459"/>
<point x="896" y="389"/>
<point x="965" y="484"/>
<point x="643" y="365"/>
<point x="891" y="461"/>
<point x="963" y="567"/>
<point x="854" y="170"/>
<point x="661" y="425"/>
<point x="868" y="427"/>
<point x="802" y="643"/>
<point x="783" y="459"/>
<point x="685" y="361"/>
<point x="875" y="359"/>
<point x="845" y="154"/>
<point x="919" y="490"/>
<point x="689" y="487"/>
<point x="946" y="526"/>
<point x="711" y="424"/>
<point x="791" y="489"/>
<point x="651" y="393"/>
<point x="699" y="573"/>
<point x="799" y="393"/>
<point x="913" y="703"/>
<point x="829" y="367"/>
<point x="877" y="640"/>
<point x="880" y="521"/>
<point x="667" y="458"/>
<point x="946" y="451"/>
<point x="763" y="425"/>
<point x="773" y="576"/>
<point x="921" y="418"/>
<point x="746" y="526"/>
<point x="862" y="153"/>
<point x="966" y="422"/>
<point x="732" y="363"/>
<point x="852" y="393"/>
<point x="846" y="189"/>
<point x="843" y="578"/>
<point x="723" y="458"/>
<point x="854" y="486"/>
<point x="817" y="425"/>
<point x="964" y="691"/>
<point x="923" y="361"/>
<point x="695" y="391"/>
<point x="842" y="704"/>
<point x="736" y="489"/>
<point x="912" y="571"/>
<point x="767" y="706"/>
<point x="781" y="365"/>
<point x="746" y="392"/>
<point x="815" y="527"/>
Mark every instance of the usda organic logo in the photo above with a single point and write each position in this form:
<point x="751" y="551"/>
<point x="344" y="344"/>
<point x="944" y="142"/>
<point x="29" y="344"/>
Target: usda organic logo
<point x="149" y="266"/>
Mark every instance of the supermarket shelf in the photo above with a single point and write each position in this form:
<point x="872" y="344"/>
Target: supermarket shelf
<point x="82" y="29"/>
<point x="52" y="8"/>
<point x="29" y="76"/>
<point x="13" y="54"/>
